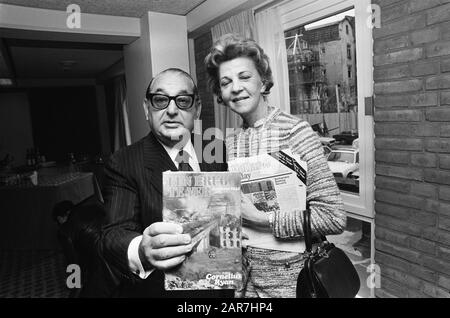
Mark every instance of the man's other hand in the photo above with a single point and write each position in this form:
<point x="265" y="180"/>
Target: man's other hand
<point x="163" y="246"/>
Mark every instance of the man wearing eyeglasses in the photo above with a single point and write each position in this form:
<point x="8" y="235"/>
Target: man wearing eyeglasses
<point x="136" y="244"/>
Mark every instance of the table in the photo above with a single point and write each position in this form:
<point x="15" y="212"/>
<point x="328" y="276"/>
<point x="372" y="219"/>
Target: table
<point x="25" y="210"/>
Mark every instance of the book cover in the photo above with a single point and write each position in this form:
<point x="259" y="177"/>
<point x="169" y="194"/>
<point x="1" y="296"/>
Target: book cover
<point x="272" y="182"/>
<point x="207" y="205"/>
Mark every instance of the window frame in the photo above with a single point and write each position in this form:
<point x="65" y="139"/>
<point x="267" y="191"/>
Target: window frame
<point x="300" y="12"/>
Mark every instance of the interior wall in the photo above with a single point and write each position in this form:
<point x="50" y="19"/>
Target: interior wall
<point x="138" y="72"/>
<point x="163" y="43"/>
<point x="16" y="134"/>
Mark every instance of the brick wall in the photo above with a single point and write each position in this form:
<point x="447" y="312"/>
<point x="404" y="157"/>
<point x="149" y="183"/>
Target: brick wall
<point x="412" y="141"/>
<point x="202" y="45"/>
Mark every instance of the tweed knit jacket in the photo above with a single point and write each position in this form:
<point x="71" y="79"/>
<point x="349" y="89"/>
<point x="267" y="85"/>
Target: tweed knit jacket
<point x="277" y="131"/>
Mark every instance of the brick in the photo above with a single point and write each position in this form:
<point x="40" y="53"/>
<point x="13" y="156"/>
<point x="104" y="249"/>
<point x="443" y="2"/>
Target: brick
<point x="423" y="189"/>
<point x="444" y="282"/>
<point x="412" y="293"/>
<point x="380" y="293"/>
<point x="432" y="206"/>
<point x="398" y="225"/>
<point x="439" y="265"/>
<point x="438" y="14"/>
<point x="402" y="252"/>
<point x="406" y="266"/>
<point x="393" y="288"/>
<point x="393" y="129"/>
<point x="385" y="45"/>
<point x="425" y="36"/>
<point x="398" y="115"/>
<point x="422" y="217"/>
<point x="445" y="35"/>
<point x="399" y="26"/>
<point x="438" y="145"/>
<point x="444" y="223"/>
<point x="438" y="49"/>
<point x="445" y="130"/>
<point x="391" y="236"/>
<point x="434" y="291"/>
<point x="444" y="162"/>
<point x="443" y="253"/>
<point x="445" y="98"/>
<point x="403" y="56"/>
<point x="422" y="245"/>
<point x="438" y="82"/>
<point x="397" y="129"/>
<point x="398" y="87"/>
<point x="444" y="193"/>
<point x="400" y="172"/>
<point x="394" y="12"/>
<point x="437" y="176"/>
<point x="399" y="199"/>
<point x="427" y="68"/>
<point x="401" y="277"/>
<point x="425" y="99"/>
<point x="391" y="73"/>
<point x="427" y="130"/>
<point x="444" y="209"/>
<point x="420" y="5"/>
<point x="391" y="210"/>
<point x="399" y="143"/>
<point x="437" y="235"/>
<point x="391" y="156"/>
<point x="421" y="99"/>
<point x="445" y="66"/>
<point x="428" y="160"/>
<point x="397" y="185"/>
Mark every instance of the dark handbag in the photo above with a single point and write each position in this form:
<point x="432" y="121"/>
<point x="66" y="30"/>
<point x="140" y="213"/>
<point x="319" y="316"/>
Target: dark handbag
<point x="327" y="271"/>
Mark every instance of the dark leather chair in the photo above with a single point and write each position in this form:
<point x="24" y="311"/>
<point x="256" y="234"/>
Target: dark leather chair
<point x="79" y="234"/>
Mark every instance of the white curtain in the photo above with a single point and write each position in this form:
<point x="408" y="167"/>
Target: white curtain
<point x="121" y="127"/>
<point x="270" y="36"/>
<point x="244" y="25"/>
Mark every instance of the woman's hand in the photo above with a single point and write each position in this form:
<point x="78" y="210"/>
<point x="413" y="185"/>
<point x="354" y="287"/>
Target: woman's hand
<point x="252" y="217"/>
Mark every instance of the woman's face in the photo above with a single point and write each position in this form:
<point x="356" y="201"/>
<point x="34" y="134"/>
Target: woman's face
<point x="241" y="87"/>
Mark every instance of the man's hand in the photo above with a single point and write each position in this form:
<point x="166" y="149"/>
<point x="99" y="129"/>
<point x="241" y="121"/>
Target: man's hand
<point x="163" y="246"/>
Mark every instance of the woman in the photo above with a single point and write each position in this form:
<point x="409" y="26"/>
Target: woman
<point x="240" y="76"/>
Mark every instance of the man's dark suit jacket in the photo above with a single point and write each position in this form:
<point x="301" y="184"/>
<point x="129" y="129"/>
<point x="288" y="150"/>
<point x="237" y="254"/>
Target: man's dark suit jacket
<point x="133" y="199"/>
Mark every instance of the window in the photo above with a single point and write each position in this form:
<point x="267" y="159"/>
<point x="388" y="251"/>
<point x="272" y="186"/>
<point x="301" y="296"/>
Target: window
<point x="323" y="50"/>
<point x="336" y="104"/>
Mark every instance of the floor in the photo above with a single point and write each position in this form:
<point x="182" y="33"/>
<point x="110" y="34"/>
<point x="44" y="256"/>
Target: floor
<point x="42" y="274"/>
<point x="33" y="274"/>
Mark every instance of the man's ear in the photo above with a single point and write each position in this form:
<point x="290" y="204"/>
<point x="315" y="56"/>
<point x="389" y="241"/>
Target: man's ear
<point x="145" y="105"/>
<point x="198" y="110"/>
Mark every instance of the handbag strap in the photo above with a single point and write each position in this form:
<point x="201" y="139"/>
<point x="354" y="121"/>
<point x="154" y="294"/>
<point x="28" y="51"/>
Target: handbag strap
<point x="307" y="229"/>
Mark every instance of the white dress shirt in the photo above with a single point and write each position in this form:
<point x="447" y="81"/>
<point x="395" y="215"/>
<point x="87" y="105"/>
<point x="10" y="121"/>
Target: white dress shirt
<point x="134" y="261"/>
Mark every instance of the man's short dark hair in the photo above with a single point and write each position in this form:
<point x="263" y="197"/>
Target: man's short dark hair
<point x="177" y="71"/>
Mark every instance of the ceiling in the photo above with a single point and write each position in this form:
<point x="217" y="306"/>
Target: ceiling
<point x="37" y="59"/>
<point x="33" y="59"/>
<point x="126" y="8"/>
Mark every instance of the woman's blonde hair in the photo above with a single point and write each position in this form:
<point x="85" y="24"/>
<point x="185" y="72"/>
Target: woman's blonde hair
<point x="229" y="47"/>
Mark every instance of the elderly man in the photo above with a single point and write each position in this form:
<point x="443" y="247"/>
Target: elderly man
<point x="136" y="244"/>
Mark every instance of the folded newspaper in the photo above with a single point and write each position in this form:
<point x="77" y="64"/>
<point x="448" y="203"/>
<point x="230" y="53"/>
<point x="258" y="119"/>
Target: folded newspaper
<point x="272" y="182"/>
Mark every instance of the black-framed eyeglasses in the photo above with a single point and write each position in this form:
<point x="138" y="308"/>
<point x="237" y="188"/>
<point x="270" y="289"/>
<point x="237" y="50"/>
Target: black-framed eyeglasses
<point x="161" y="101"/>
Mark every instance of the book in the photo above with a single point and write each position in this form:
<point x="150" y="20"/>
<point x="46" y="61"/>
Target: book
<point x="272" y="182"/>
<point x="207" y="206"/>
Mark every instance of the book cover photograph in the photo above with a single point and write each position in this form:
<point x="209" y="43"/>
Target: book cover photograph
<point x="207" y="205"/>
